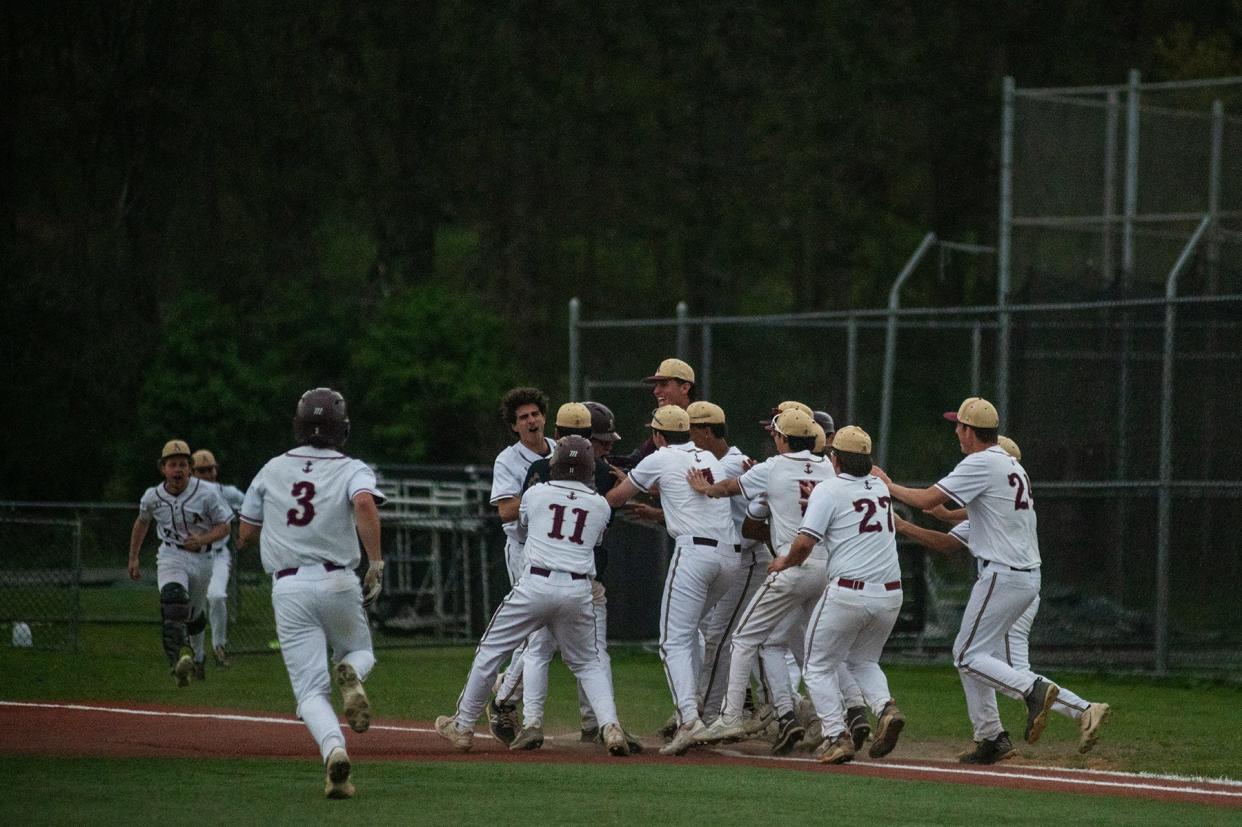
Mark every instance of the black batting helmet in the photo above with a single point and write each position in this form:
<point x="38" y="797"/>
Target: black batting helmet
<point x="321" y="420"/>
<point x="573" y="459"/>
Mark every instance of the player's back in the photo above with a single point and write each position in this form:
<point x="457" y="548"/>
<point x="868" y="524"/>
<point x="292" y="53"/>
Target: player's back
<point x="304" y="501"/>
<point x="686" y="511"/>
<point x="996" y="491"/>
<point x="787" y="480"/>
<point x="565" y="520"/>
<point x="853" y="517"/>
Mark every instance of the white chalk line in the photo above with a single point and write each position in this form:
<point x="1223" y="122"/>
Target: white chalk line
<point x="930" y="770"/>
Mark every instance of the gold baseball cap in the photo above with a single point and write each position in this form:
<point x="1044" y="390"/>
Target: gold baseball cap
<point x="670" y="418"/>
<point x="673" y="369"/>
<point x="175" y="448"/>
<point x="203" y="459"/>
<point x="852" y="440"/>
<point x="1010" y="447"/>
<point x="821" y="438"/>
<point x="705" y="413"/>
<point x="573" y="415"/>
<point x="798" y="406"/>
<point x="794" y="422"/>
<point x="976" y="412"/>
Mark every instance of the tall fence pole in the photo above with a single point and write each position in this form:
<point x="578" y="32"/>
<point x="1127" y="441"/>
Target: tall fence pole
<point x="851" y="371"/>
<point x="1110" y="187"/>
<point x="575" y="367"/>
<point x="705" y="368"/>
<point x="1165" y="503"/>
<point x="683" y="331"/>
<point x="1003" y="250"/>
<point x="890" y="342"/>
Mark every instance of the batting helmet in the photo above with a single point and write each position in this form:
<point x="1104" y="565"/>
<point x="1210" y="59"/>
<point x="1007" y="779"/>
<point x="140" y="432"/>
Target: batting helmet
<point x="320" y="419"/>
<point x="573" y="459"/>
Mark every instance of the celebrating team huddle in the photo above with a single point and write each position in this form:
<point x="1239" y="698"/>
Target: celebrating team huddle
<point x="783" y="584"/>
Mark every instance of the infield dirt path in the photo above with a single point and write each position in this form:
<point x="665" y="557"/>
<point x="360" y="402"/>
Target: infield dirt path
<point x="108" y="729"/>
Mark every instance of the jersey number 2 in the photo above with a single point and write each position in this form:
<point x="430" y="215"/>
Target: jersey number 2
<point x="558" y="523"/>
<point x="1022" y="498"/>
<point x="302" y="492"/>
<point x="869" y="524"/>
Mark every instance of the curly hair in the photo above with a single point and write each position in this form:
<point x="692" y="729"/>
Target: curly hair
<point x="516" y="398"/>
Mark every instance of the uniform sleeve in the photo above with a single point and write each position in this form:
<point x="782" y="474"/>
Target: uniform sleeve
<point x="252" y="506"/>
<point x="146" y="506"/>
<point x="646" y="473"/>
<point x="218" y="510"/>
<point x="820" y="507"/>
<point x="234" y="497"/>
<point x="524" y="512"/>
<point x="967" y="481"/>
<point x="505" y="483"/>
<point x="755" y="481"/>
<point x="363" y="479"/>
<point x="758" y="508"/>
<point x="961" y="532"/>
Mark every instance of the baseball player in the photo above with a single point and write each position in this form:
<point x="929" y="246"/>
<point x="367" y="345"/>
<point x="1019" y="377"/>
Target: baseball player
<point x="785" y="599"/>
<point x="205" y="468"/>
<point x="572" y="419"/>
<point x="308" y="508"/>
<point x="564" y="520"/>
<point x="996" y="492"/>
<point x="850" y="515"/>
<point x="671" y="384"/>
<point x="524" y="411"/>
<point x="1016" y="650"/>
<point x="190" y="516"/>
<point x="705" y="557"/>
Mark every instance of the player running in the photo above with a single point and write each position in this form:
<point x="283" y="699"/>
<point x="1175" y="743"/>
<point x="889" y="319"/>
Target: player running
<point x="205" y="468"/>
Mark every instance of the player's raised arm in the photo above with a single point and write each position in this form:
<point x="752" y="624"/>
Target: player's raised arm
<point x="922" y="498"/>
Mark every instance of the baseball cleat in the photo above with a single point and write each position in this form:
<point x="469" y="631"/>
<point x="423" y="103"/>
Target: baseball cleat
<point x="184" y="668"/>
<point x="1089" y="725"/>
<point x="502" y="721"/>
<point x="688" y="735"/>
<point x="615" y="740"/>
<point x="631" y="740"/>
<point x="887" y="728"/>
<point x="989" y="751"/>
<point x="461" y="739"/>
<point x="222" y="657"/>
<point x="529" y="738"/>
<point x="669" y="730"/>
<point x="353" y="698"/>
<point x="1038" y="704"/>
<point x="858" y="725"/>
<point x="337" y="783"/>
<point x="590" y="734"/>
<point x="814" y="736"/>
<point x="838" y="750"/>
<point x="759" y="720"/>
<point x="724" y="728"/>
<point x="788" y="734"/>
<point x="200" y="670"/>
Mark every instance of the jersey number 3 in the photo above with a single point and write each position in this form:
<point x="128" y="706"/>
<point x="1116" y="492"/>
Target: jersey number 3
<point x="303" y="492"/>
<point x="558" y="523"/>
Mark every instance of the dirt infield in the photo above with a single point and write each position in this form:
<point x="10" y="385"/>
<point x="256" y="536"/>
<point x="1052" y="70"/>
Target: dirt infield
<point x="103" y="729"/>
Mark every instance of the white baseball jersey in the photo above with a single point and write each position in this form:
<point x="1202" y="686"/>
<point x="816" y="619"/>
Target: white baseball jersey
<point x="961" y="533"/>
<point x="564" y="520"/>
<point x="304" y="501"/>
<point x="996" y="492"/>
<point x="786" y="482"/>
<point x="853" y="517"/>
<point x="233" y="497"/>
<point x="196" y="510"/>
<point x="508" y="474"/>
<point x="686" y="511"/>
<point x="732" y="462"/>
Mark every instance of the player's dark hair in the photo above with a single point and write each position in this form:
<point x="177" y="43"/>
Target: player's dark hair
<point x="674" y="437"/>
<point x="516" y="398"/>
<point x="560" y="432"/>
<point x="800" y="443"/>
<point x="719" y="429"/>
<point x="693" y="393"/>
<point x="987" y="436"/>
<point x="856" y="465"/>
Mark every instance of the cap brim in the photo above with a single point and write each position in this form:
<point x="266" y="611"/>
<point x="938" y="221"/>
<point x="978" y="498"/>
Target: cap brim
<point x="659" y="378"/>
<point x="951" y="416"/>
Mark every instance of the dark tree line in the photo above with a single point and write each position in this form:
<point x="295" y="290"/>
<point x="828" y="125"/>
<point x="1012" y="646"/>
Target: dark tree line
<point x="212" y="206"/>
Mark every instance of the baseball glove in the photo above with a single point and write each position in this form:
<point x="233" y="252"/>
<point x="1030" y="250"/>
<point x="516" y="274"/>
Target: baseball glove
<point x="372" y="582"/>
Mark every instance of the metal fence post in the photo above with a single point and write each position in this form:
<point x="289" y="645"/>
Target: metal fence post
<point x="1003" y="249"/>
<point x="851" y="370"/>
<point x="683" y="332"/>
<point x="1166" y="450"/>
<point x="575" y="367"/>
<point x="705" y="368"/>
<point x="890" y="342"/>
<point x="1110" y="186"/>
<point x="976" y="358"/>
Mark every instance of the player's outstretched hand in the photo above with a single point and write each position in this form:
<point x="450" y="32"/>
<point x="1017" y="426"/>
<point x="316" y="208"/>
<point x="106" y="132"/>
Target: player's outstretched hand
<point x="372" y="582"/>
<point x="748" y="464"/>
<point x="642" y="511"/>
<point x="135" y="572"/>
<point x="779" y="564"/>
<point x="697" y="480"/>
<point x="879" y="472"/>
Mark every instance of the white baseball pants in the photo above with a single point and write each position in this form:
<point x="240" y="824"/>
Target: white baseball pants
<point x="850" y="627"/>
<point x="698" y="577"/>
<point x="717" y="628"/>
<point x="316" y="609"/>
<point x="783" y="602"/>
<point x="1017" y="653"/>
<point x="218" y="597"/>
<point x="997" y="600"/>
<point x="193" y="571"/>
<point x="564" y="605"/>
<point x="510" y="689"/>
<point x="539" y="651"/>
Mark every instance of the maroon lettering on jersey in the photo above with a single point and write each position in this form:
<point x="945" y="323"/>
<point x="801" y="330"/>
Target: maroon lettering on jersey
<point x="302" y="493"/>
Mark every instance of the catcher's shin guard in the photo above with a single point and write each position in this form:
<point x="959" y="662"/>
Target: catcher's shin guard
<point x="175" y="611"/>
<point x="197" y="624"/>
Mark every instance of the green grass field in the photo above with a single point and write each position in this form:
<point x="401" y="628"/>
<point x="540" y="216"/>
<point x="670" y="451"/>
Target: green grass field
<point x="1169" y="726"/>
